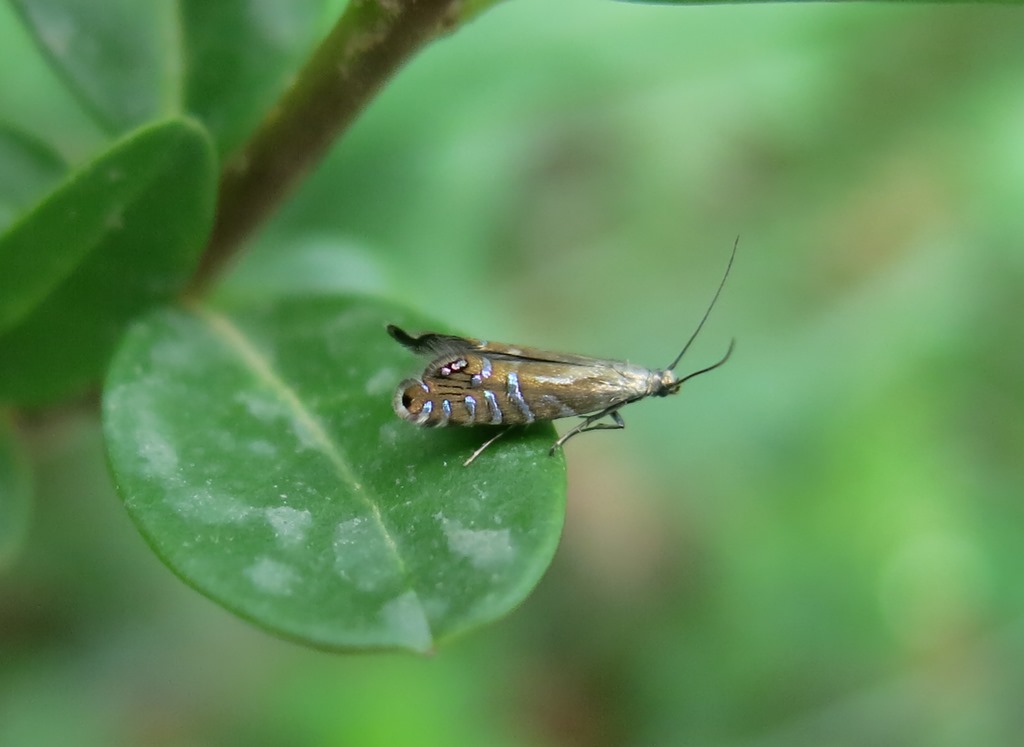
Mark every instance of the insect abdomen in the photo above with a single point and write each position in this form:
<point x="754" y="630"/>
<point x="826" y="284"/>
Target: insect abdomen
<point x="435" y="404"/>
<point x="424" y="403"/>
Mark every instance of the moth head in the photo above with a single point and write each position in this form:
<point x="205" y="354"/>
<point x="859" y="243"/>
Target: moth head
<point x="667" y="383"/>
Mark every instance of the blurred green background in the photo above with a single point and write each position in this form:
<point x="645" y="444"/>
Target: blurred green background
<point x="818" y="544"/>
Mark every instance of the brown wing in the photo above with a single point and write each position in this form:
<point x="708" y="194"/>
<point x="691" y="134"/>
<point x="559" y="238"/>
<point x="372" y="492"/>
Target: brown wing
<point x="558" y="390"/>
<point x="432" y="343"/>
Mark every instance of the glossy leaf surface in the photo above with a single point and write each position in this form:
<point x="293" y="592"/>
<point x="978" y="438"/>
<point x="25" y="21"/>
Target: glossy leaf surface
<point x="116" y="236"/>
<point x="258" y="453"/>
<point x="28" y="170"/>
<point x="809" y="2"/>
<point x="241" y="55"/>
<point x="117" y="57"/>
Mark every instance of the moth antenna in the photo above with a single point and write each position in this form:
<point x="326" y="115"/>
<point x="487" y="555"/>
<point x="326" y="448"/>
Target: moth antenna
<point x="712" y="367"/>
<point x="707" y="313"/>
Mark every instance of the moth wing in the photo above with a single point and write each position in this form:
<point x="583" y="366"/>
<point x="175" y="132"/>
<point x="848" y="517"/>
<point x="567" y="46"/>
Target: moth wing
<point x="520" y="353"/>
<point x="434" y="344"/>
<point x="431" y="343"/>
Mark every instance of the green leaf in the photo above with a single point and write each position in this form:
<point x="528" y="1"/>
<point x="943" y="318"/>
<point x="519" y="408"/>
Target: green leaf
<point x="761" y="2"/>
<point x="118" y="235"/>
<point x="287" y="266"/>
<point x="28" y="170"/>
<point x="15" y="493"/>
<point x="258" y="453"/>
<point x="119" y="58"/>
<point x="239" y="56"/>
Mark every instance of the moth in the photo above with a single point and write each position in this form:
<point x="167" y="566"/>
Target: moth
<point x="476" y="382"/>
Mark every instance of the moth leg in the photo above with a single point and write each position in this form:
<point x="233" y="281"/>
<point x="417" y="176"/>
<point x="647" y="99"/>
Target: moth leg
<point x="486" y="443"/>
<point x="591" y="424"/>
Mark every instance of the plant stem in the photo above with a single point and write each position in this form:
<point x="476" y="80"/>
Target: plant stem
<point x="370" y="41"/>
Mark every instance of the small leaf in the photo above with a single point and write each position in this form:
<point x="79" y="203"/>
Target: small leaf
<point x="239" y="57"/>
<point x="118" y="235"/>
<point x="761" y="2"/>
<point x="15" y="493"/>
<point x="28" y="170"/>
<point x="117" y="56"/>
<point x="258" y="453"/>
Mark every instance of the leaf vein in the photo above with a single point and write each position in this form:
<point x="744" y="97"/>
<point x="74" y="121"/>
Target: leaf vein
<point x="258" y="363"/>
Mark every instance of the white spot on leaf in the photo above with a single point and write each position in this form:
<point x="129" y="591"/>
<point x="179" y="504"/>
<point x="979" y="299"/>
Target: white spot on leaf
<point x="271" y="576"/>
<point x="158" y="454"/>
<point x="290" y="525"/>
<point x="262" y="448"/>
<point x="263" y="406"/>
<point x="404" y="619"/>
<point x="208" y="507"/>
<point x="388" y="433"/>
<point x="170" y="353"/>
<point x="484" y="548"/>
<point x="307" y="433"/>
<point x="362" y="557"/>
